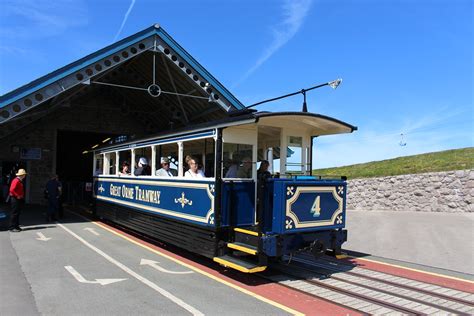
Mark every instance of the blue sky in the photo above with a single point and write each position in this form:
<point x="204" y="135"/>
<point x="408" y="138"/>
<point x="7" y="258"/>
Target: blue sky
<point x="406" y="65"/>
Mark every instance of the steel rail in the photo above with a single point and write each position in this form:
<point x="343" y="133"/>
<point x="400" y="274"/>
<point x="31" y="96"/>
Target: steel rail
<point x="363" y="297"/>
<point x="407" y="287"/>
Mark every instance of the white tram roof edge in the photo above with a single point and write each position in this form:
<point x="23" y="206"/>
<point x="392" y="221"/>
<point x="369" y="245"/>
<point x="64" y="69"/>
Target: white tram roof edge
<point x="314" y="124"/>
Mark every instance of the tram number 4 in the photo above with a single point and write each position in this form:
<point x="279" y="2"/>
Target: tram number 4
<point x="316" y="208"/>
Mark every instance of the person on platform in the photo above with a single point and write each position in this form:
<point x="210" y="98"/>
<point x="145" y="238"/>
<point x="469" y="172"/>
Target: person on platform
<point x="193" y="171"/>
<point x="53" y="191"/>
<point x="143" y="168"/>
<point x="17" y="200"/>
<point x="165" y="170"/>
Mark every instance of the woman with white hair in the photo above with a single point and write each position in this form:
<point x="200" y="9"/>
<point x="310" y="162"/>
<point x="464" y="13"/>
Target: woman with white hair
<point x="143" y="168"/>
<point x="194" y="171"/>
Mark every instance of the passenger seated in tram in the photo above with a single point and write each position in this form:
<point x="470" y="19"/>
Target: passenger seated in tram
<point x="165" y="170"/>
<point x="233" y="168"/>
<point x="245" y="171"/>
<point x="193" y="171"/>
<point x="143" y="168"/>
<point x="125" y="169"/>
<point x="98" y="171"/>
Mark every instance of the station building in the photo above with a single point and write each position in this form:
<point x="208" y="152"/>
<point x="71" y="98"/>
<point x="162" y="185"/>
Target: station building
<point x="144" y="84"/>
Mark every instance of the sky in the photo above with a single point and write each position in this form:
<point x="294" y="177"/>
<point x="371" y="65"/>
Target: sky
<point x="406" y="65"/>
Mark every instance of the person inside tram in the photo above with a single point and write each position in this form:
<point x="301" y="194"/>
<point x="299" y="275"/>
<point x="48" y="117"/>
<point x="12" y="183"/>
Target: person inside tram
<point x="245" y="171"/>
<point x="165" y="170"/>
<point x="233" y="168"/>
<point x="193" y="171"/>
<point x="143" y="168"/>
<point x="262" y="173"/>
<point x="98" y="171"/>
<point x="125" y="171"/>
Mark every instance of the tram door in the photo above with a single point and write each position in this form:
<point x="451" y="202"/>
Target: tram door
<point x="239" y="174"/>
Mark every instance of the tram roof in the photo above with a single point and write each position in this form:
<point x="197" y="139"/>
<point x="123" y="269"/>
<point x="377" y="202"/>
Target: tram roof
<point x="129" y="62"/>
<point x="316" y="124"/>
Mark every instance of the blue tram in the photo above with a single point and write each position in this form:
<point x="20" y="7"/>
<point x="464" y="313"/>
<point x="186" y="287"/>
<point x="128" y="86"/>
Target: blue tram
<point x="229" y="213"/>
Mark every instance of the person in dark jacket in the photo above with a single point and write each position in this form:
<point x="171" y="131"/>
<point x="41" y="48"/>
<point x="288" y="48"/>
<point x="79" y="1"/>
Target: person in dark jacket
<point x="17" y="200"/>
<point x="53" y="191"/>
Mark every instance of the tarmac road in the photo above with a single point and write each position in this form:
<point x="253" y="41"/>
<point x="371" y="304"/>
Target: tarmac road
<point x="77" y="268"/>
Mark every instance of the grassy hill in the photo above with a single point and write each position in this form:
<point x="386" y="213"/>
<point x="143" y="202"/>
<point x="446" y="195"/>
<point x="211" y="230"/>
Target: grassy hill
<point x="457" y="159"/>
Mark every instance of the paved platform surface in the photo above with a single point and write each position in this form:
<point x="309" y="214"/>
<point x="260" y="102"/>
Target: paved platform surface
<point x="77" y="268"/>
<point x="440" y="240"/>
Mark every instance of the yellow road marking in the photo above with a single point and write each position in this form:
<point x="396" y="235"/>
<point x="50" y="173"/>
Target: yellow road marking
<point x="416" y="270"/>
<point x="261" y="298"/>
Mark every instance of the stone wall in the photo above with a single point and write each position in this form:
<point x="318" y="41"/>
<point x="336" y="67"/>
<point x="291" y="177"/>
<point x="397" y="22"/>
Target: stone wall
<point x="451" y="191"/>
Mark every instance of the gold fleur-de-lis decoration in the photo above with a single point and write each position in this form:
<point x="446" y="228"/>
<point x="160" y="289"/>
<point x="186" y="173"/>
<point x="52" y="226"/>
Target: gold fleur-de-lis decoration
<point x="340" y="190"/>
<point x="183" y="201"/>
<point x="101" y="188"/>
<point x="288" y="224"/>
<point x="290" y="190"/>
<point x="339" y="219"/>
<point x="212" y="188"/>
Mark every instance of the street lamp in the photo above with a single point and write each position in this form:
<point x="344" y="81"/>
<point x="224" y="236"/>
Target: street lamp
<point x="333" y="84"/>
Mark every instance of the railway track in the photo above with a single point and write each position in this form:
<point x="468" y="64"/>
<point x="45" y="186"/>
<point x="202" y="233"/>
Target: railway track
<point x="370" y="292"/>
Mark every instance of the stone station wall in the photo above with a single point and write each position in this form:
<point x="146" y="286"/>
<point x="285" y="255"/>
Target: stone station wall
<point x="451" y="191"/>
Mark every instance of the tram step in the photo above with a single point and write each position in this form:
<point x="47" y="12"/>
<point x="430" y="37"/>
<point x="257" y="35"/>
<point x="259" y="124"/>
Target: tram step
<point x="246" y="236"/>
<point x="243" y="247"/>
<point x="239" y="264"/>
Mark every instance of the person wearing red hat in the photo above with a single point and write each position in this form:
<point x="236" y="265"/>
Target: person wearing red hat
<point x="17" y="198"/>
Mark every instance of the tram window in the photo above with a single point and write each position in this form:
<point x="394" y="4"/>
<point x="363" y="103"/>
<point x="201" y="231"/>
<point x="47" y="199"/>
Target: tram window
<point x="124" y="162"/>
<point x="99" y="164"/>
<point x="203" y="151"/>
<point x="110" y="157"/>
<point x="294" y="155"/>
<point x="167" y="152"/>
<point x="237" y="160"/>
<point x="143" y="157"/>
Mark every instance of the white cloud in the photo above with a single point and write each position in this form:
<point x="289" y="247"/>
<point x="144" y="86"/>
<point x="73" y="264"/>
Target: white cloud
<point x="125" y="18"/>
<point x="25" y="19"/>
<point x="294" y="14"/>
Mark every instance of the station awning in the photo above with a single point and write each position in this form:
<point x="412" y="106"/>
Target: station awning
<point x="147" y="76"/>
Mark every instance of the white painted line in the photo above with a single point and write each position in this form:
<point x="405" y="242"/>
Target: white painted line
<point x="42" y="237"/>
<point x="142" y="279"/>
<point x="81" y="279"/>
<point x="154" y="264"/>
<point x="92" y="230"/>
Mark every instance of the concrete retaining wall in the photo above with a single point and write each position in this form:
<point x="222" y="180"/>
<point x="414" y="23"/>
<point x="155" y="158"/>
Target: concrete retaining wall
<point x="451" y="191"/>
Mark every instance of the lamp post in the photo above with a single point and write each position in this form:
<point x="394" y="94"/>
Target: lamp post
<point x="333" y="84"/>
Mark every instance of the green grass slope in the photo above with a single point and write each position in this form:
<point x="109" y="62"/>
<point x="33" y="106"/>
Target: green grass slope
<point x="457" y="159"/>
